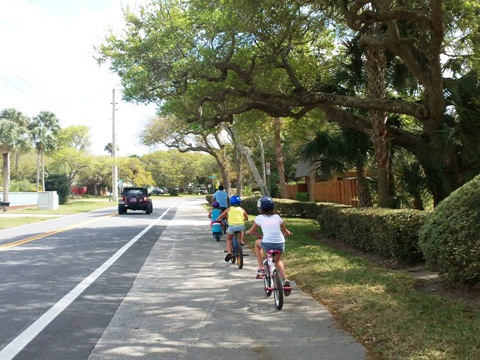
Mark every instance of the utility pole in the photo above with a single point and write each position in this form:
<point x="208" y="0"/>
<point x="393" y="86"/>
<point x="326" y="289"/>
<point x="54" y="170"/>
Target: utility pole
<point x="114" y="149"/>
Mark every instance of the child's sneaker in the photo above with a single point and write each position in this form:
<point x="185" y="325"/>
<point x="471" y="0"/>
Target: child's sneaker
<point x="260" y="273"/>
<point x="287" y="288"/>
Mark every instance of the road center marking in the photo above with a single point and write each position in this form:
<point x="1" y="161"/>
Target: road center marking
<point x="43" y="235"/>
<point x="22" y="340"/>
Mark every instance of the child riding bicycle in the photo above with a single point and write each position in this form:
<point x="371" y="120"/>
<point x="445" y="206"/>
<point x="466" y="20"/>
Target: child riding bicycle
<point x="274" y="232"/>
<point x="217" y="226"/>
<point x="236" y="222"/>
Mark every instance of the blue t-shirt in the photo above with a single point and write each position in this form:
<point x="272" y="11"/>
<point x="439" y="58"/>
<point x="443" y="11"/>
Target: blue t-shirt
<point x="215" y="214"/>
<point x="221" y="196"/>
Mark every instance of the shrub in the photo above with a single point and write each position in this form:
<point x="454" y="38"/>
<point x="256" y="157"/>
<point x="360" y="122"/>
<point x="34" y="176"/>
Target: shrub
<point x="301" y="196"/>
<point x="249" y="204"/>
<point x="390" y="233"/>
<point x="22" y="186"/>
<point x="450" y="238"/>
<point x="60" y="184"/>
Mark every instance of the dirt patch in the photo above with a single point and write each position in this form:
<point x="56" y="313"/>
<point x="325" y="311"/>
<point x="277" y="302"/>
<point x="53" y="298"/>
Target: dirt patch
<point x="426" y="281"/>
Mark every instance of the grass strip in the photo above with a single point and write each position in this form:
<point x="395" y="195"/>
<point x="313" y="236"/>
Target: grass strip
<point x="72" y="207"/>
<point x="381" y="307"/>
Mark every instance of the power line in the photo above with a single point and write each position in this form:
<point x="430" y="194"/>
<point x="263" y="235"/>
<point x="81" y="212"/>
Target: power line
<point x="41" y="84"/>
<point x="29" y="85"/>
<point x="16" y="87"/>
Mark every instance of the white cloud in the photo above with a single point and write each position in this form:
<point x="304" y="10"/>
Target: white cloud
<point x="47" y="64"/>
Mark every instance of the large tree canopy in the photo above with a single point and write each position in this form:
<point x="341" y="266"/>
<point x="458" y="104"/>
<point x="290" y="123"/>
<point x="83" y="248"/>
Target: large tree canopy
<point x="208" y="61"/>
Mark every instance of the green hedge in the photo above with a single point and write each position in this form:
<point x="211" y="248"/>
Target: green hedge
<point x="286" y="207"/>
<point x="390" y="233"/>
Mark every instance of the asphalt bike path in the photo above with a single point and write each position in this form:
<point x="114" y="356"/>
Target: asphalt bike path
<point x="188" y="303"/>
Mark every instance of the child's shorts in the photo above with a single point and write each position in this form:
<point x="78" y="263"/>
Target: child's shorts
<point x="272" y="246"/>
<point x="232" y="228"/>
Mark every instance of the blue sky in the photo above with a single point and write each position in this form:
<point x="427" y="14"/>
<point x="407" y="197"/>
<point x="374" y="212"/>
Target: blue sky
<point x="47" y="64"/>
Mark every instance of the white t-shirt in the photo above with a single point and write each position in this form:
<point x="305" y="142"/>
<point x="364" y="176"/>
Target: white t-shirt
<point x="270" y="225"/>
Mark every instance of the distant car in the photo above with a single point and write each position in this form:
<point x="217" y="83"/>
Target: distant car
<point x="135" y="198"/>
<point x="200" y="190"/>
<point x="158" y="191"/>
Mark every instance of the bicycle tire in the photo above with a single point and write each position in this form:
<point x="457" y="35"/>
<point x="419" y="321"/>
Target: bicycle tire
<point x="267" y="282"/>
<point x="277" y="290"/>
<point x="217" y="236"/>
<point x="234" y="249"/>
<point x="239" y="255"/>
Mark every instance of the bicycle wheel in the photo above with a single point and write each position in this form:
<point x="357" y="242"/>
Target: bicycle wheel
<point x="267" y="281"/>
<point x="239" y="255"/>
<point x="217" y="236"/>
<point x="277" y="290"/>
<point x="234" y="250"/>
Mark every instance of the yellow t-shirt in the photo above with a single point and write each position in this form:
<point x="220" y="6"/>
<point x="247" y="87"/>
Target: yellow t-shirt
<point x="235" y="216"/>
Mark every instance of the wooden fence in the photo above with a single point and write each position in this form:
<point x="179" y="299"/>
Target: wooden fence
<point x="335" y="191"/>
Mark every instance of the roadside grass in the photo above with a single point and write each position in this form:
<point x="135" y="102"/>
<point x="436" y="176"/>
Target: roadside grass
<point x="381" y="307"/>
<point x="71" y="207"/>
<point x="10" y="222"/>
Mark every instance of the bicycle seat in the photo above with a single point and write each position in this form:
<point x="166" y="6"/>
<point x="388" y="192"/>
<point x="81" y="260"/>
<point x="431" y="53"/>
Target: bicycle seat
<point x="274" y="252"/>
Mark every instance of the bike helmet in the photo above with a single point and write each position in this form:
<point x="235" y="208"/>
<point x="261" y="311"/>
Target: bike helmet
<point x="216" y="205"/>
<point x="235" y="200"/>
<point x="265" y="203"/>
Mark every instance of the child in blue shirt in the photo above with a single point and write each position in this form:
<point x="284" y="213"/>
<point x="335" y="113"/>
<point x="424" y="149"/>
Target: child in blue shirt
<point x="214" y="214"/>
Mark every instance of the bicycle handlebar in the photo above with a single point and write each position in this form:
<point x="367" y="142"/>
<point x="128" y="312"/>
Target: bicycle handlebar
<point x="257" y="235"/>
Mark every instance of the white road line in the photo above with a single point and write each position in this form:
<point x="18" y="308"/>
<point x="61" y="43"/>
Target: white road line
<point x="22" y="340"/>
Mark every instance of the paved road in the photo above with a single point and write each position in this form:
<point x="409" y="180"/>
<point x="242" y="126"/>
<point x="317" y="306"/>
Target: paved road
<point x="187" y="303"/>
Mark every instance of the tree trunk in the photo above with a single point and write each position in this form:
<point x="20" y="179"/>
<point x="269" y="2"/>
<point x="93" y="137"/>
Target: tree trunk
<point x="279" y="153"/>
<point x="238" y="165"/>
<point x="262" y="159"/>
<point x="225" y="170"/>
<point x="376" y="66"/>
<point x="38" y="170"/>
<point x="6" y="176"/>
<point x="364" y="194"/>
<point x="247" y="153"/>
<point x="311" y="186"/>
<point x="43" y="170"/>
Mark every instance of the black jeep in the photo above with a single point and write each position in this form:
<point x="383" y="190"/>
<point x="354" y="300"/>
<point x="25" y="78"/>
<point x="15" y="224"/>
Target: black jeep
<point x="134" y="198"/>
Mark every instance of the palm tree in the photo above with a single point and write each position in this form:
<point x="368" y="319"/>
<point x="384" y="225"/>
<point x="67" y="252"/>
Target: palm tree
<point x="335" y="151"/>
<point x="22" y="120"/>
<point x="44" y="127"/>
<point x="413" y="184"/>
<point x="12" y="137"/>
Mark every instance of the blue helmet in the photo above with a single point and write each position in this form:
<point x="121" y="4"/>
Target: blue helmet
<point x="235" y="200"/>
<point x="265" y="203"/>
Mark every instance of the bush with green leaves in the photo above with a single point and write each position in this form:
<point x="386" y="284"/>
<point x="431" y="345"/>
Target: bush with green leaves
<point x="387" y="232"/>
<point x="302" y="196"/>
<point x="450" y="238"/>
<point x="22" y="186"/>
<point x="58" y="183"/>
